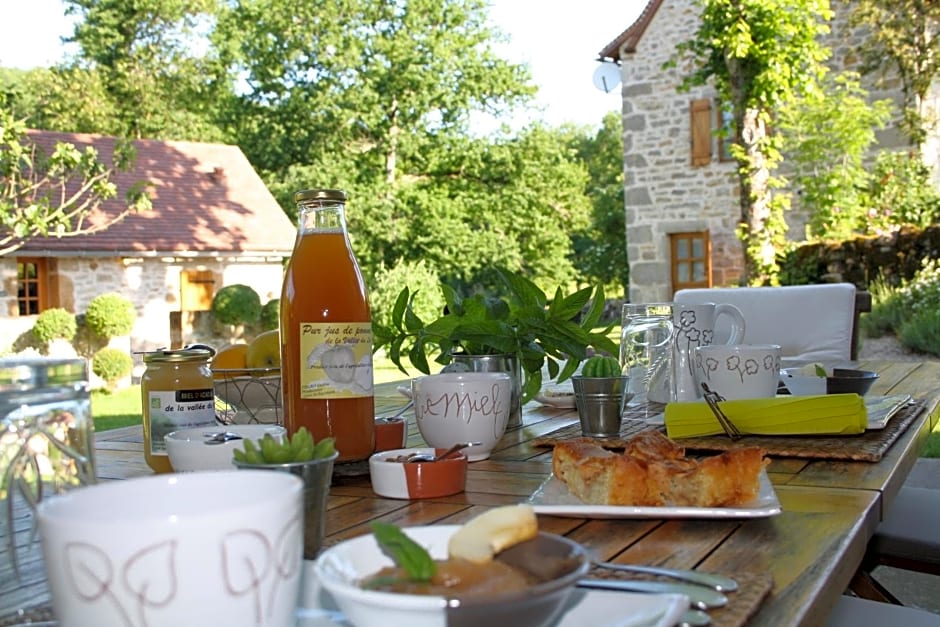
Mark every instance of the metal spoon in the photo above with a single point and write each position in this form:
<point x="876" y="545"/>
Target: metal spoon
<point x="695" y="618"/>
<point x="397" y="413"/>
<point x="221" y="438"/>
<point x="700" y="597"/>
<point x="710" y="580"/>
<point x="427" y="457"/>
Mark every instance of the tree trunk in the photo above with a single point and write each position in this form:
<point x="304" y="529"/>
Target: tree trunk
<point x="754" y="176"/>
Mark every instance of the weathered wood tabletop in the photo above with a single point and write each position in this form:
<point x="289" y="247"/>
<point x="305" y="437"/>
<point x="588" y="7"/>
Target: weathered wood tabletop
<point x="811" y="549"/>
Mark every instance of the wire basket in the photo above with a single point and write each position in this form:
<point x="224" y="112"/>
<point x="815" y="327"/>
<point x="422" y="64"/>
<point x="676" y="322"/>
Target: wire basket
<point x="250" y="396"/>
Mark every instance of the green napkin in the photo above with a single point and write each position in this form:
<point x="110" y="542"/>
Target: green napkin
<point x="839" y="414"/>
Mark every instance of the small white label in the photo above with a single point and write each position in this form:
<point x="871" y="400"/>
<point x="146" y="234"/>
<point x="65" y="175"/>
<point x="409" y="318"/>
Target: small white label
<point x="180" y="409"/>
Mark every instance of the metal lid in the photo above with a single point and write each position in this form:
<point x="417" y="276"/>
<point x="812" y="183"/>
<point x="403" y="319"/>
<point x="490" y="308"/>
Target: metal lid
<point x="195" y="352"/>
<point x="336" y="195"/>
<point x="29" y="373"/>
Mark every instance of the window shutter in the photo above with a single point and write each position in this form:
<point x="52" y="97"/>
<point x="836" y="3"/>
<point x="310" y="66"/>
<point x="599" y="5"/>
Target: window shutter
<point x="701" y="116"/>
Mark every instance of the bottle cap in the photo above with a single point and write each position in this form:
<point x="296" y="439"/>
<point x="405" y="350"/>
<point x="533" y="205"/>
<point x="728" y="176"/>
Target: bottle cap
<point x="320" y="194"/>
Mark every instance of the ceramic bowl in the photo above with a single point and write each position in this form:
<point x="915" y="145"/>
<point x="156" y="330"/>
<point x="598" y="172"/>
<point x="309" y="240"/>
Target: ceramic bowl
<point x="219" y="548"/>
<point x="188" y="451"/>
<point x="250" y="396"/>
<point x="840" y="381"/>
<point x="418" y="480"/>
<point x="555" y="562"/>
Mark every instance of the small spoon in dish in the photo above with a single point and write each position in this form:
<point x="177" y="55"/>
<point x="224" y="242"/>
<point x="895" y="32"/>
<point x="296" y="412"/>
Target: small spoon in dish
<point x="427" y="457"/>
<point x="221" y="438"/>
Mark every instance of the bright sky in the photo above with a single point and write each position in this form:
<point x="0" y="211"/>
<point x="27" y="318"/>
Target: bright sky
<point x="558" y="39"/>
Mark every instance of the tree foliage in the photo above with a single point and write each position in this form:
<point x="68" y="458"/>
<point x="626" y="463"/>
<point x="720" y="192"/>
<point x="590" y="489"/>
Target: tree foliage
<point x="600" y="250"/>
<point x="154" y="79"/>
<point x="759" y="54"/>
<point x="51" y="195"/>
<point x="826" y="135"/>
<point x="904" y="35"/>
<point x="372" y="97"/>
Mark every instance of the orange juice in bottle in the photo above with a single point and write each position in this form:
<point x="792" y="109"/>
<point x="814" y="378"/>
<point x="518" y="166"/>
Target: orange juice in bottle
<point x="326" y="331"/>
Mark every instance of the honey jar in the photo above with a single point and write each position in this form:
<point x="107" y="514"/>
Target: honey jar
<point x="176" y="393"/>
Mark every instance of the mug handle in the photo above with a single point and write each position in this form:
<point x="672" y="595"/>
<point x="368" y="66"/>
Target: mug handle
<point x="737" y="321"/>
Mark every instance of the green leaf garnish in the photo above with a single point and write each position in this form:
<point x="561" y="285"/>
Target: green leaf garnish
<point x="405" y="552"/>
<point x="820" y="371"/>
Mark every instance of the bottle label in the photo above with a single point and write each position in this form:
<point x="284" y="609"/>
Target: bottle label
<point x="178" y="409"/>
<point x="336" y="360"/>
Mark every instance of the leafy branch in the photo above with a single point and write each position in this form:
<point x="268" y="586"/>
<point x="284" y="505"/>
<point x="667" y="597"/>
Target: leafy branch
<point x="54" y="195"/>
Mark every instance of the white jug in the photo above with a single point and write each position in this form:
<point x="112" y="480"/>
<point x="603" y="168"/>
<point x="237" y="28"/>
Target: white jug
<point x="695" y="326"/>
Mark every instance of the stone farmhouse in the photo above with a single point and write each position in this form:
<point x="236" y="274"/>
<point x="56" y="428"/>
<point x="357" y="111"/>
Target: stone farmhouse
<point x="213" y="223"/>
<point x="680" y="183"/>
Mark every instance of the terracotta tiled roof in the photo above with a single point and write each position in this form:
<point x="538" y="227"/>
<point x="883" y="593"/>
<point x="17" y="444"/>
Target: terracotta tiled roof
<point x="207" y="199"/>
<point x="628" y="39"/>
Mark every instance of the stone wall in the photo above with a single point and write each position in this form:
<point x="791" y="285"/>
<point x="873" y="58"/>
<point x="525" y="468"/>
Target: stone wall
<point x="663" y="192"/>
<point x="152" y="284"/>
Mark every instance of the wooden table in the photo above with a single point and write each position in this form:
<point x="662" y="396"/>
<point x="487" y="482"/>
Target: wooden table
<point x="811" y="550"/>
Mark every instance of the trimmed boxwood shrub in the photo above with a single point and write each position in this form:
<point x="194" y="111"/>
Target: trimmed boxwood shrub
<point x="271" y="315"/>
<point x="236" y="304"/>
<point x="54" y="324"/>
<point x="111" y="364"/>
<point x="110" y="315"/>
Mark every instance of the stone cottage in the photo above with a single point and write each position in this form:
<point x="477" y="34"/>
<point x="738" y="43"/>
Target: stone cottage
<point x="213" y="223"/>
<point x="680" y="185"/>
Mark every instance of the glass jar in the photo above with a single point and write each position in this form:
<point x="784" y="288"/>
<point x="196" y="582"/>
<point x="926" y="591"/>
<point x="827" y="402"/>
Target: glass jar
<point x="46" y="439"/>
<point x="177" y="392"/>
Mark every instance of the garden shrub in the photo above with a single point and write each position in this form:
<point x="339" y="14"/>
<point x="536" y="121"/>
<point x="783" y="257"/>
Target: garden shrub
<point x="54" y="324"/>
<point x="420" y="280"/>
<point x="236" y="304"/>
<point x="270" y="315"/>
<point x="909" y="311"/>
<point x="921" y="333"/>
<point x="111" y="365"/>
<point x="110" y="315"/>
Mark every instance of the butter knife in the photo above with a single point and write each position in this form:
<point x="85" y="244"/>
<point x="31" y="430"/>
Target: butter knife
<point x="699" y="597"/>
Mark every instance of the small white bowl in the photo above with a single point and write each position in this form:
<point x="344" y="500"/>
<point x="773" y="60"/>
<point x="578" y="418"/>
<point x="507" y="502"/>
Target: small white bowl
<point x="554" y="560"/>
<point x="188" y="451"/>
<point x="417" y="480"/>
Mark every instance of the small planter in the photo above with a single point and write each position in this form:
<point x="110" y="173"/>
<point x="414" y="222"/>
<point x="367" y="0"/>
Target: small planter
<point x="600" y="402"/>
<point x="317" y="474"/>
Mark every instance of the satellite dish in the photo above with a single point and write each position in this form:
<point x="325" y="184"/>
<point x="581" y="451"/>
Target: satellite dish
<point x="607" y="77"/>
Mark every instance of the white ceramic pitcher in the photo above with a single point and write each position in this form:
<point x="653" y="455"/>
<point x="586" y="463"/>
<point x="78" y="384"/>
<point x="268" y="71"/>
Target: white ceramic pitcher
<point x="695" y="326"/>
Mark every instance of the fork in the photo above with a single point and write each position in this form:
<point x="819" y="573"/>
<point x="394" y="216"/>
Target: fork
<point x="712" y="398"/>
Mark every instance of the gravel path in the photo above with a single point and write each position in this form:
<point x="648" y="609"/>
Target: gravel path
<point x="888" y="347"/>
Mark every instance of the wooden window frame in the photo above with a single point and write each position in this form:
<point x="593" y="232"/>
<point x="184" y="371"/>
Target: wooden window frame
<point x="675" y="262"/>
<point x="41" y="282"/>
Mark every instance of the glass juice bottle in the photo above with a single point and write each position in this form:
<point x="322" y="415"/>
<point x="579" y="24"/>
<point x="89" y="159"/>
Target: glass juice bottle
<point x="326" y="331"/>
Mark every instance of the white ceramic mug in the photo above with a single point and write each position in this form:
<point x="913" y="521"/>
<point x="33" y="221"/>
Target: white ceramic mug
<point x="694" y="327"/>
<point x="737" y="371"/>
<point x="453" y="407"/>
<point x="202" y="548"/>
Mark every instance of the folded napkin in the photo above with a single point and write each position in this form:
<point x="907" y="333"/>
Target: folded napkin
<point x="831" y="414"/>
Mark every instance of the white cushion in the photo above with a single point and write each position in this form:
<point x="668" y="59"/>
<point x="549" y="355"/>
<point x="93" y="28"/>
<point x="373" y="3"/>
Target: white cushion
<point x="811" y="323"/>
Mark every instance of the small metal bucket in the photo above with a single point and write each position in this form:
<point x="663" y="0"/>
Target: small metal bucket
<point x="600" y="402"/>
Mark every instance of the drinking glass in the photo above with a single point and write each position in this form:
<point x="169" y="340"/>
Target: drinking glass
<point x="46" y="448"/>
<point x="646" y="352"/>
